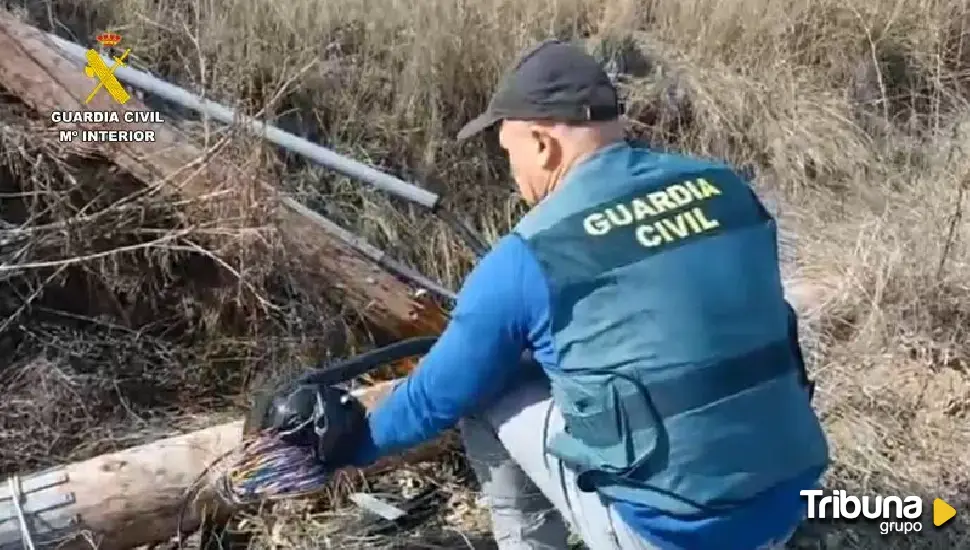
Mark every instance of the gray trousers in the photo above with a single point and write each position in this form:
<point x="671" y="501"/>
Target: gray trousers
<point x="533" y="497"/>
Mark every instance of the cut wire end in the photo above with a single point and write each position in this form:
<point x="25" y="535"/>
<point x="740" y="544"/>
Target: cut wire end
<point x="265" y="468"/>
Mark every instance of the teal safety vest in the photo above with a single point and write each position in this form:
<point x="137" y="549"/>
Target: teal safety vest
<point x="675" y="373"/>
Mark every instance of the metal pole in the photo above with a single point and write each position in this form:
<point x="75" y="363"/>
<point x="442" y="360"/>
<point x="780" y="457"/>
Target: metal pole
<point x="321" y="155"/>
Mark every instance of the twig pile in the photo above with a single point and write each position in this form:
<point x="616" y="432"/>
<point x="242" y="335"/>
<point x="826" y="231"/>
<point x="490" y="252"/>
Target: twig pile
<point x="125" y="315"/>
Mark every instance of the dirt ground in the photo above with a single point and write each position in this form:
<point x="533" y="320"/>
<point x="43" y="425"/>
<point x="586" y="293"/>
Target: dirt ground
<point x="852" y="120"/>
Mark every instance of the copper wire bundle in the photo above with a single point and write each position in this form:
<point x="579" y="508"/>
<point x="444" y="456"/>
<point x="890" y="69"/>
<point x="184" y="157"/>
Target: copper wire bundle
<point x="265" y="467"/>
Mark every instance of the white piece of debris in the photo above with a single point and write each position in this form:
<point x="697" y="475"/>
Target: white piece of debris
<point x="377" y="506"/>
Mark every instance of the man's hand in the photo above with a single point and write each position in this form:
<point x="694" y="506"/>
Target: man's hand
<point x="325" y="418"/>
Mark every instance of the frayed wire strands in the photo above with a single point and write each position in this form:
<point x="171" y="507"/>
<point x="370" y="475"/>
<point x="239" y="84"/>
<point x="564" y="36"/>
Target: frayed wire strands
<point x="266" y="468"/>
<point x="262" y="468"/>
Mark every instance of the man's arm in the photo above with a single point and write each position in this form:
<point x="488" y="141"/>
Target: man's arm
<point x="474" y="360"/>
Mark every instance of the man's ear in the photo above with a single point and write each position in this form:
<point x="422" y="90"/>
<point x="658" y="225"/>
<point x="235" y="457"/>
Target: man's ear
<point x="547" y="146"/>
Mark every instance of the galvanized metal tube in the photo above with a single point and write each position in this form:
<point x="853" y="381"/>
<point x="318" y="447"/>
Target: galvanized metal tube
<point x="290" y="142"/>
<point x="286" y="140"/>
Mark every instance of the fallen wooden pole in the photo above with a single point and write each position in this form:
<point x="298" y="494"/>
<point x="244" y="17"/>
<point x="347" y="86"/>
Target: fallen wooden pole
<point x="125" y="499"/>
<point x="38" y="73"/>
<point x="131" y="498"/>
<point x="114" y="501"/>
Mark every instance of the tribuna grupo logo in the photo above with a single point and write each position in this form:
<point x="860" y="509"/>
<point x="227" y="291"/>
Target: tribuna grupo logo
<point x="895" y="514"/>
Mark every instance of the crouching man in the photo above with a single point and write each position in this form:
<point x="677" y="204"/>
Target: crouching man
<point x="666" y="406"/>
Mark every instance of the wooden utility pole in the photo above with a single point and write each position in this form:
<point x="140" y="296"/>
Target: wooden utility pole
<point x="132" y="497"/>
<point x="40" y="76"/>
<point x="129" y="498"/>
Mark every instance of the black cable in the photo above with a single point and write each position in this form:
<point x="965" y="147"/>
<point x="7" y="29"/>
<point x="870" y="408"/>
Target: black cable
<point x="364" y="363"/>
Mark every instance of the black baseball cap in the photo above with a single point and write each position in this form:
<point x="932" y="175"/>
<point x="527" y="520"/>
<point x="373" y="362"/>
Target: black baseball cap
<point x="555" y="81"/>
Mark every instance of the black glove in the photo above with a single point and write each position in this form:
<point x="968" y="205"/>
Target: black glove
<point x="325" y="418"/>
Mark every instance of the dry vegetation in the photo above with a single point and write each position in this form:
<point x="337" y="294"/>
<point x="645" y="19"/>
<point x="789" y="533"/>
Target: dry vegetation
<point x="854" y="118"/>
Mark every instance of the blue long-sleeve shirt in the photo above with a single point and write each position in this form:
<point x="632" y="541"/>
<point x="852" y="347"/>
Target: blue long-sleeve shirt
<point x="503" y="309"/>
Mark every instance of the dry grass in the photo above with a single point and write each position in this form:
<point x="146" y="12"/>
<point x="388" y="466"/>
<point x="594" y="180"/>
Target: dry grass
<point x="854" y="118"/>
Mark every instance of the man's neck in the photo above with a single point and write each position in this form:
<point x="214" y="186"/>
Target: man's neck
<point x="577" y="157"/>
